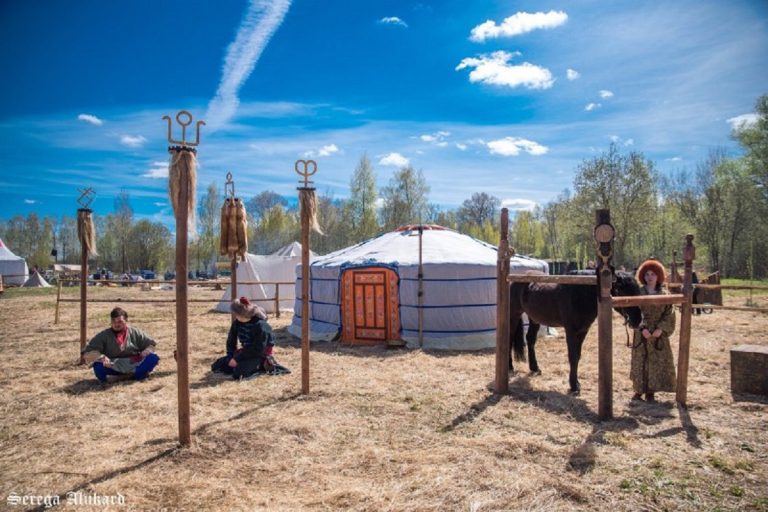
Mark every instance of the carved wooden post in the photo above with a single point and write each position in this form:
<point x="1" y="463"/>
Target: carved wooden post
<point x="58" y="301"/>
<point x="604" y="234"/>
<point x="502" y="307"/>
<point x="689" y="254"/>
<point x="182" y="173"/>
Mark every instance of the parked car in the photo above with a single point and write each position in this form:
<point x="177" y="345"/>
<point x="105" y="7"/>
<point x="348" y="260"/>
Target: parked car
<point x="169" y="276"/>
<point x="148" y="274"/>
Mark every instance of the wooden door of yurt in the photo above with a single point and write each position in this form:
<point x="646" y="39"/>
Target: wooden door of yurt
<point x="369" y="306"/>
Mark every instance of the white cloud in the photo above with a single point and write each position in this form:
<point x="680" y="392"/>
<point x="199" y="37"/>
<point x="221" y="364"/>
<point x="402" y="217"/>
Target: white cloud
<point x="606" y="94"/>
<point x="517" y="24"/>
<point x="30" y="201"/>
<point x="623" y="142"/>
<point x="495" y="69"/>
<point x="673" y="159"/>
<point x="88" y="118"/>
<point x="158" y="170"/>
<point x="160" y="204"/>
<point x="742" y="121"/>
<point x="572" y="74"/>
<point x="438" y="138"/>
<point x="395" y="159"/>
<point x="592" y="106"/>
<point x="326" y="150"/>
<point x="512" y="146"/>
<point x="519" y="204"/>
<point x="259" y="24"/>
<point x="132" y="141"/>
<point x="393" y="20"/>
<point x="461" y="146"/>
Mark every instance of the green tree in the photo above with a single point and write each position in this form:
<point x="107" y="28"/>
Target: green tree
<point x="626" y="185"/>
<point x="209" y="224"/>
<point x="481" y="207"/>
<point x="276" y="228"/>
<point x="150" y="246"/>
<point x="405" y="199"/>
<point x="264" y="201"/>
<point x="362" y="202"/>
<point x="754" y="139"/>
<point x="122" y="225"/>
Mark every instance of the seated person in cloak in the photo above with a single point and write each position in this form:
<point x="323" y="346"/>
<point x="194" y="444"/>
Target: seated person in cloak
<point x="121" y="352"/>
<point x="254" y="356"/>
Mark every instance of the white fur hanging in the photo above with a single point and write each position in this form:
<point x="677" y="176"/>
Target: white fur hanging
<point x="86" y="231"/>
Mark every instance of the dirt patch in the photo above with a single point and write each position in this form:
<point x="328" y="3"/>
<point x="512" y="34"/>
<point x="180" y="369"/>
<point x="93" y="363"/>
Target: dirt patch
<point x="381" y="429"/>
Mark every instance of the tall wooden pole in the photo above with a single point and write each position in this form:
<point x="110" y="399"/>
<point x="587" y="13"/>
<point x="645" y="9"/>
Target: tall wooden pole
<point x="604" y="234"/>
<point x="233" y="280"/>
<point x="689" y="254"/>
<point x="83" y="293"/>
<point x="502" y="307"/>
<point x="304" y="302"/>
<point x="182" y="317"/>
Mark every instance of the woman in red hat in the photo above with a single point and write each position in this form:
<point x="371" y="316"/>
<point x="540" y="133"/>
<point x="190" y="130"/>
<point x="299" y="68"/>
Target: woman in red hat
<point x="653" y="366"/>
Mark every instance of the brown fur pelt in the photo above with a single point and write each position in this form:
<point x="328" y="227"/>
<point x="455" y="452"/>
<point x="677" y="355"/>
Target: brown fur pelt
<point x="86" y="232"/>
<point x="242" y="229"/>
<point x="309" y="205"/>
<point x="224" y="236"/>
<point x="232" y="229"/>
<point x="183" y="167"/>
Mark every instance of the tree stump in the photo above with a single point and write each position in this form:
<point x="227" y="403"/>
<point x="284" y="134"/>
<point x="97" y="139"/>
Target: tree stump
<point x="749" y="369"/>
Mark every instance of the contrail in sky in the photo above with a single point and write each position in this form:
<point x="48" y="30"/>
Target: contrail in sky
<point x="261" y="21"/>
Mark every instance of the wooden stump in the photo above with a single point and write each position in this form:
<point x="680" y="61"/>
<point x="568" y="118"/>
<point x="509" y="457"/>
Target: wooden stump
<point x="749" y="369"/>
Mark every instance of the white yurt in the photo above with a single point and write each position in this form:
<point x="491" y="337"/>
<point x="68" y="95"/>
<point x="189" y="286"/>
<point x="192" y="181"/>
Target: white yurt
<point x="36" y="281"/>
<point x="278" y="267"/>
<point x="13" y="268"/>
<point x="368" y="293"/>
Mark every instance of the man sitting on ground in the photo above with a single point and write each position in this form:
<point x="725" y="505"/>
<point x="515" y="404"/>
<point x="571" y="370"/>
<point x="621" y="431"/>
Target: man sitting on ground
<point x="121" y="352"/>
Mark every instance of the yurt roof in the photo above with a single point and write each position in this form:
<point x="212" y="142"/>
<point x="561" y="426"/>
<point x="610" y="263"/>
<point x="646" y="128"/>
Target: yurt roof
<point x="401" y="248"/>
<point x="6" y="253"/>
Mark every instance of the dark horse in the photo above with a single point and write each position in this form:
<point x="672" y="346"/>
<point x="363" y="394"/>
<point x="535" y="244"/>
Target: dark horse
<point x="573" y="307"/>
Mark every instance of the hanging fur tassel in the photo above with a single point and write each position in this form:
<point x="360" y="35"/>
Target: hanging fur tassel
<point x="309" y="205"/>
<point x="183" y="167"/>
<point x="86" y="232"/>
<point x="242" y="229"/>
<point x="232" y="229"/>
<point x="224" y="237"/>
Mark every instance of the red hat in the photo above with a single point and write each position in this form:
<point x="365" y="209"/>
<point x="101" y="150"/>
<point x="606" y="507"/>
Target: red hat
<point x="657" y="268"/>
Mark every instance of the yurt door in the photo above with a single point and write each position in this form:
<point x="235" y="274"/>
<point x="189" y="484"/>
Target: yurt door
<point x="369" y="302"/>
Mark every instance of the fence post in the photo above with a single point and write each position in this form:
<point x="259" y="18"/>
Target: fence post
<point x="689" y="254"/>
<point x="277" y="300"/>
<point x="58" y="301"/>
<point x="604" y="234"/>
<point x="502" y="307"/>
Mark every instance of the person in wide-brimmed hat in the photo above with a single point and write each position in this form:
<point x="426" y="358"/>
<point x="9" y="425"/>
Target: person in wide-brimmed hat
<point x="250" y="327"/>
<point x="653" y="367"/>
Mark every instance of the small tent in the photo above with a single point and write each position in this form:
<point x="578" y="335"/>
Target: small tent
<point x="13" y="268"/>
<point x="36" y="281"/>
<point x="279" y="266"/>
<point x="368" y="293"/>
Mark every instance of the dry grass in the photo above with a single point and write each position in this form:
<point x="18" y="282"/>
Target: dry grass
<point x="380" y="430"/>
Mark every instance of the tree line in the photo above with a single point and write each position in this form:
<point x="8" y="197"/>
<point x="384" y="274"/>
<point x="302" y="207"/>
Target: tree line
<point x="722" y="201"/>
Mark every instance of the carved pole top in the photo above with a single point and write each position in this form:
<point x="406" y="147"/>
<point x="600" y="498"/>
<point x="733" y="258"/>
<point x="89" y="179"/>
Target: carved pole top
<point x="184" y="118"/>
<point x="306" y="173"/>
<point x="85" y="198"/>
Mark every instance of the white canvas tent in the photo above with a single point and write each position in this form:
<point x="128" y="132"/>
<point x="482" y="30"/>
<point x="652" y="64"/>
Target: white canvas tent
<point x="368" y="293"/>
<point x="277" y="267"/>
<point x="36" y="281"/>
<point x="13" y="268"/>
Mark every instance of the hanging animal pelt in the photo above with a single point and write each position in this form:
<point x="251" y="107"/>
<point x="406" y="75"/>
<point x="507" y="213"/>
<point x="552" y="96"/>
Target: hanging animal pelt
<point x="183" y="167"/>
<point x="309" y="205"/>
<point x="224" y="236"/>
<point x="86" y="232"/>
<point x="241" y="220"/>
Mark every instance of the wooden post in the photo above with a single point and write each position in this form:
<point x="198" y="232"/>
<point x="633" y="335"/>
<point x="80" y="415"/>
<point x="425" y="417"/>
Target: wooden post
<point x="58" y="301"/>
<point x="277" y="300"/>
<point x="233" y="281"/>
<point x="304" y="302"/>
<point x="502" y="307"/>
<point x="182" y="317"/>
<point x="689" y="254"/>
<point x="604" y="234"/>
<point x="83" y="297"/>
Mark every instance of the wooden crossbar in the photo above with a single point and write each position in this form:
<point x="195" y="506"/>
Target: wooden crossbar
<point x="644" y="300"/>
<point x="537" y="278"/>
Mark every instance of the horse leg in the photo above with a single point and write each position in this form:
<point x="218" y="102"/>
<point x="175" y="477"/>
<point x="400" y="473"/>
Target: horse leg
<point x="533" y="331"/>
<point x="515" y="339"/>
<point x="574" y="340"/>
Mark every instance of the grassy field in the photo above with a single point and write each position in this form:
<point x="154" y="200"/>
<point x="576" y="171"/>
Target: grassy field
<point x="401" y="430"/>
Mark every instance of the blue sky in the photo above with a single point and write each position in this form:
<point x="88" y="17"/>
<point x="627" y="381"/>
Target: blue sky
<point x="503" y="97"/>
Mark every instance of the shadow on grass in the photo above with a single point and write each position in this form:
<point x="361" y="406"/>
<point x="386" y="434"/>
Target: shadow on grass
<point x="474" y="411"/>
<point x="92" y="384"/>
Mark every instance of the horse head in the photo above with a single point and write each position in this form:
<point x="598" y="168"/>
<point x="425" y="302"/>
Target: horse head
<point x="625" y="284"/>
